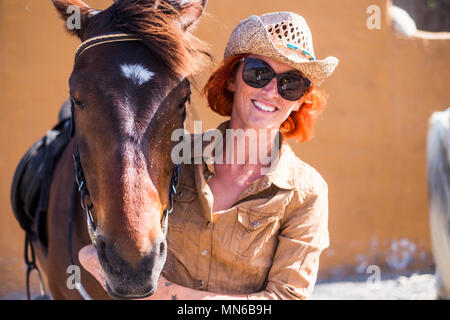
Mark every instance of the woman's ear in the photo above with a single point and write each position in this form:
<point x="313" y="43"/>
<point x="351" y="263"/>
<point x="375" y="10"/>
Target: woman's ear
<point x="299" y="103"/>
<point x="305" y="99"/>
<point x="230" y="84"/>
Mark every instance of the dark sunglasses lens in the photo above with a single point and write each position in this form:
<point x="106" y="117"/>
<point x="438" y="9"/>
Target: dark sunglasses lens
<point x="256" y="73"/>
<point x="292" y="86"/>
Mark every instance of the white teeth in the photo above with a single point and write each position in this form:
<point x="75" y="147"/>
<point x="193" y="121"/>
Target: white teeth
<point x="264" y="107"/>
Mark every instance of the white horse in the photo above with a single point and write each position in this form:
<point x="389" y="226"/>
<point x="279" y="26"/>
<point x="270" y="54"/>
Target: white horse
<point x="438" y="166"/>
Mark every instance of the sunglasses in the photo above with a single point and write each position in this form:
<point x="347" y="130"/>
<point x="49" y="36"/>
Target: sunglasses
<point x="291" y="85"/>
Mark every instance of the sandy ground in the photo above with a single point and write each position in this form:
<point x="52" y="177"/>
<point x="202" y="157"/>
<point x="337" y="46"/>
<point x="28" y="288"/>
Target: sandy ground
<point x="407" y="287"/>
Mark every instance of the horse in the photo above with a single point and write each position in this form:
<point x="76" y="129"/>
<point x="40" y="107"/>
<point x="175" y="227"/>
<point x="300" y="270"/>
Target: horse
<point x="129" y="89"/>
<point x="438" y="167"/>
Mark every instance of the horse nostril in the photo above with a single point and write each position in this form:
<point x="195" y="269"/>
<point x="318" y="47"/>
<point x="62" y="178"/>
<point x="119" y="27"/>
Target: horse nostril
<point x="102" y="248"/>
<point x="100" y="245"/>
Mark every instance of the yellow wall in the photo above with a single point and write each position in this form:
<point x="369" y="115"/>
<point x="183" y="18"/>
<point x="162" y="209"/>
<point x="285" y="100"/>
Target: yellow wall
<point x="369" y="144"/>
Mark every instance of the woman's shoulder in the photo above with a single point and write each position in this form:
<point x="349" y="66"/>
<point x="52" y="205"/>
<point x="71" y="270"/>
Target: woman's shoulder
<point x="305" y="179"/>
<point x="310" y="193"/>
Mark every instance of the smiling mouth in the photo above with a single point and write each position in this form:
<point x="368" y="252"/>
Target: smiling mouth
<point x="263" y="107"/>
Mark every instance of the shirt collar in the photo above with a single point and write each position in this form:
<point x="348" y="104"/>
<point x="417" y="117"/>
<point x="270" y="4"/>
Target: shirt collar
<point x="281" y="172"/>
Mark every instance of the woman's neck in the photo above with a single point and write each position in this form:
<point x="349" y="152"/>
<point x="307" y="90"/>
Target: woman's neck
<point x="250" y="146"/>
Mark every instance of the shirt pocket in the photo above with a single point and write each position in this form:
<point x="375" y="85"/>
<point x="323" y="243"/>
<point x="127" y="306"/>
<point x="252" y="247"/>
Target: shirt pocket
<point x="255" y="233"/>
<point x="182" y="200"/>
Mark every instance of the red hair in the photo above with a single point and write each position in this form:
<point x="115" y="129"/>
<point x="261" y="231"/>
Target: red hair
<point x="299" y="125"/>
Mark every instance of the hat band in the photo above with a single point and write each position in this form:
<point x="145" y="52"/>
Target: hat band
<point x="304" y="52"/>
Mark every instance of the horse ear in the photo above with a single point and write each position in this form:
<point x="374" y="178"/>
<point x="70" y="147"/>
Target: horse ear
<point x="191" y="11"/>
<point x="75" y="13"/>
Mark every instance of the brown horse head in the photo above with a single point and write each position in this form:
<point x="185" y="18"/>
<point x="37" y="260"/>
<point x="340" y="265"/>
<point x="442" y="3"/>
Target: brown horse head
<point x="128" y="98"/>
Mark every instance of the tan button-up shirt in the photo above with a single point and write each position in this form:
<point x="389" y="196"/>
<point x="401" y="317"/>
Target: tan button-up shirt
<point x="267" y="245"/>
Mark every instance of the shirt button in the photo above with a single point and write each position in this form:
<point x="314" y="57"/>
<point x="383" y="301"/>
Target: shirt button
<point x="204" y="252"/>
<point x="255" y="223"/>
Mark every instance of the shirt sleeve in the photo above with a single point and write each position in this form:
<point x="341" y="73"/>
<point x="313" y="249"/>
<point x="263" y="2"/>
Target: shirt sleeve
<point x="303" y="236"/>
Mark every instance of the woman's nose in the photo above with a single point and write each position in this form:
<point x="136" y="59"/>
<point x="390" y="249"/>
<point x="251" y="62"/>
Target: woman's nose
<point x="271" y="88"/>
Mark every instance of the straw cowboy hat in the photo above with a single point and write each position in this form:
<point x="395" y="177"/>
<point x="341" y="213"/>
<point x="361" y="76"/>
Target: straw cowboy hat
<point x="282" y="36"/>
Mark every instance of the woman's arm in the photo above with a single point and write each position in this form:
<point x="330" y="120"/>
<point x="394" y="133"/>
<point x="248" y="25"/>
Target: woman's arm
<point x="166" y="290"/>
<point x="303" y="236"/>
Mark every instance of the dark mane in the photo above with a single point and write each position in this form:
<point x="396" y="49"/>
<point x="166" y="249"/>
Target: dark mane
<point x="158" y="25"/>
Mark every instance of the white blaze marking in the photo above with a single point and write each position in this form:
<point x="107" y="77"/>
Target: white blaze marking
<point x="136" y="73"/>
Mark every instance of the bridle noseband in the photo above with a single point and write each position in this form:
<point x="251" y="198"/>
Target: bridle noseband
<point x="79" y="180"/>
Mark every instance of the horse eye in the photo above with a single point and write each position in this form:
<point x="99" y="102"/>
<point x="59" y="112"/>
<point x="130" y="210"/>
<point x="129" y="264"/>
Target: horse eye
<point x="183" y="102"/>
<point x="77" y="103"/>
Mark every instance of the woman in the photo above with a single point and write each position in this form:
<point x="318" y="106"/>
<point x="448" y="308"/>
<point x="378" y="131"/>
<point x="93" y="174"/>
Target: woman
<point x="252" y="229"/>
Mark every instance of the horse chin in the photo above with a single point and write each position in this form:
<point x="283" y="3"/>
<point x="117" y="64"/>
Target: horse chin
<point x="124" y="294"/>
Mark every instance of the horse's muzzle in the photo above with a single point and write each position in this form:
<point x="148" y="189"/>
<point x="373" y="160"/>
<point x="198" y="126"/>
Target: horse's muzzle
<point x="131" y="281"/>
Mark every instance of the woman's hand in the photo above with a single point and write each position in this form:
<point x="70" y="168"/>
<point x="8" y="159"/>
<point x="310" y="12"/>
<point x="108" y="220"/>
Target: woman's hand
<point x="89" y="260"/>
<point x="166" y="290"/>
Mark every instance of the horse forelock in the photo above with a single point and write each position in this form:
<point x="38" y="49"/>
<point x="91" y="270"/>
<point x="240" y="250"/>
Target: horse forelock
<point x="160" y="29"/>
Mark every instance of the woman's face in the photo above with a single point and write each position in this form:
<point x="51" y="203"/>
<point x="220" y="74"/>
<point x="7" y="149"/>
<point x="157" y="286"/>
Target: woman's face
<point x="260" y="108"/>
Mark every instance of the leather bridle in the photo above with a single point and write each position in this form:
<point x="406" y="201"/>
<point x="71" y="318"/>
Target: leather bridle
<point x="79" y="181"/>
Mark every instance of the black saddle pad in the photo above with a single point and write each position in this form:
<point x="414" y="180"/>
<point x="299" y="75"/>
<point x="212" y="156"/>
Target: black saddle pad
<point x="31" y="181"/>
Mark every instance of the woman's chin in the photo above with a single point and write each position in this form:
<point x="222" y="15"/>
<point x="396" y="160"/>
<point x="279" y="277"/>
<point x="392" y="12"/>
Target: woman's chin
<point x="259" y="123"/>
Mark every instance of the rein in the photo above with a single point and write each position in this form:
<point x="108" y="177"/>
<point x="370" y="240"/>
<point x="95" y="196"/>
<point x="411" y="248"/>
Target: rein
<point x="79" y="181"/>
